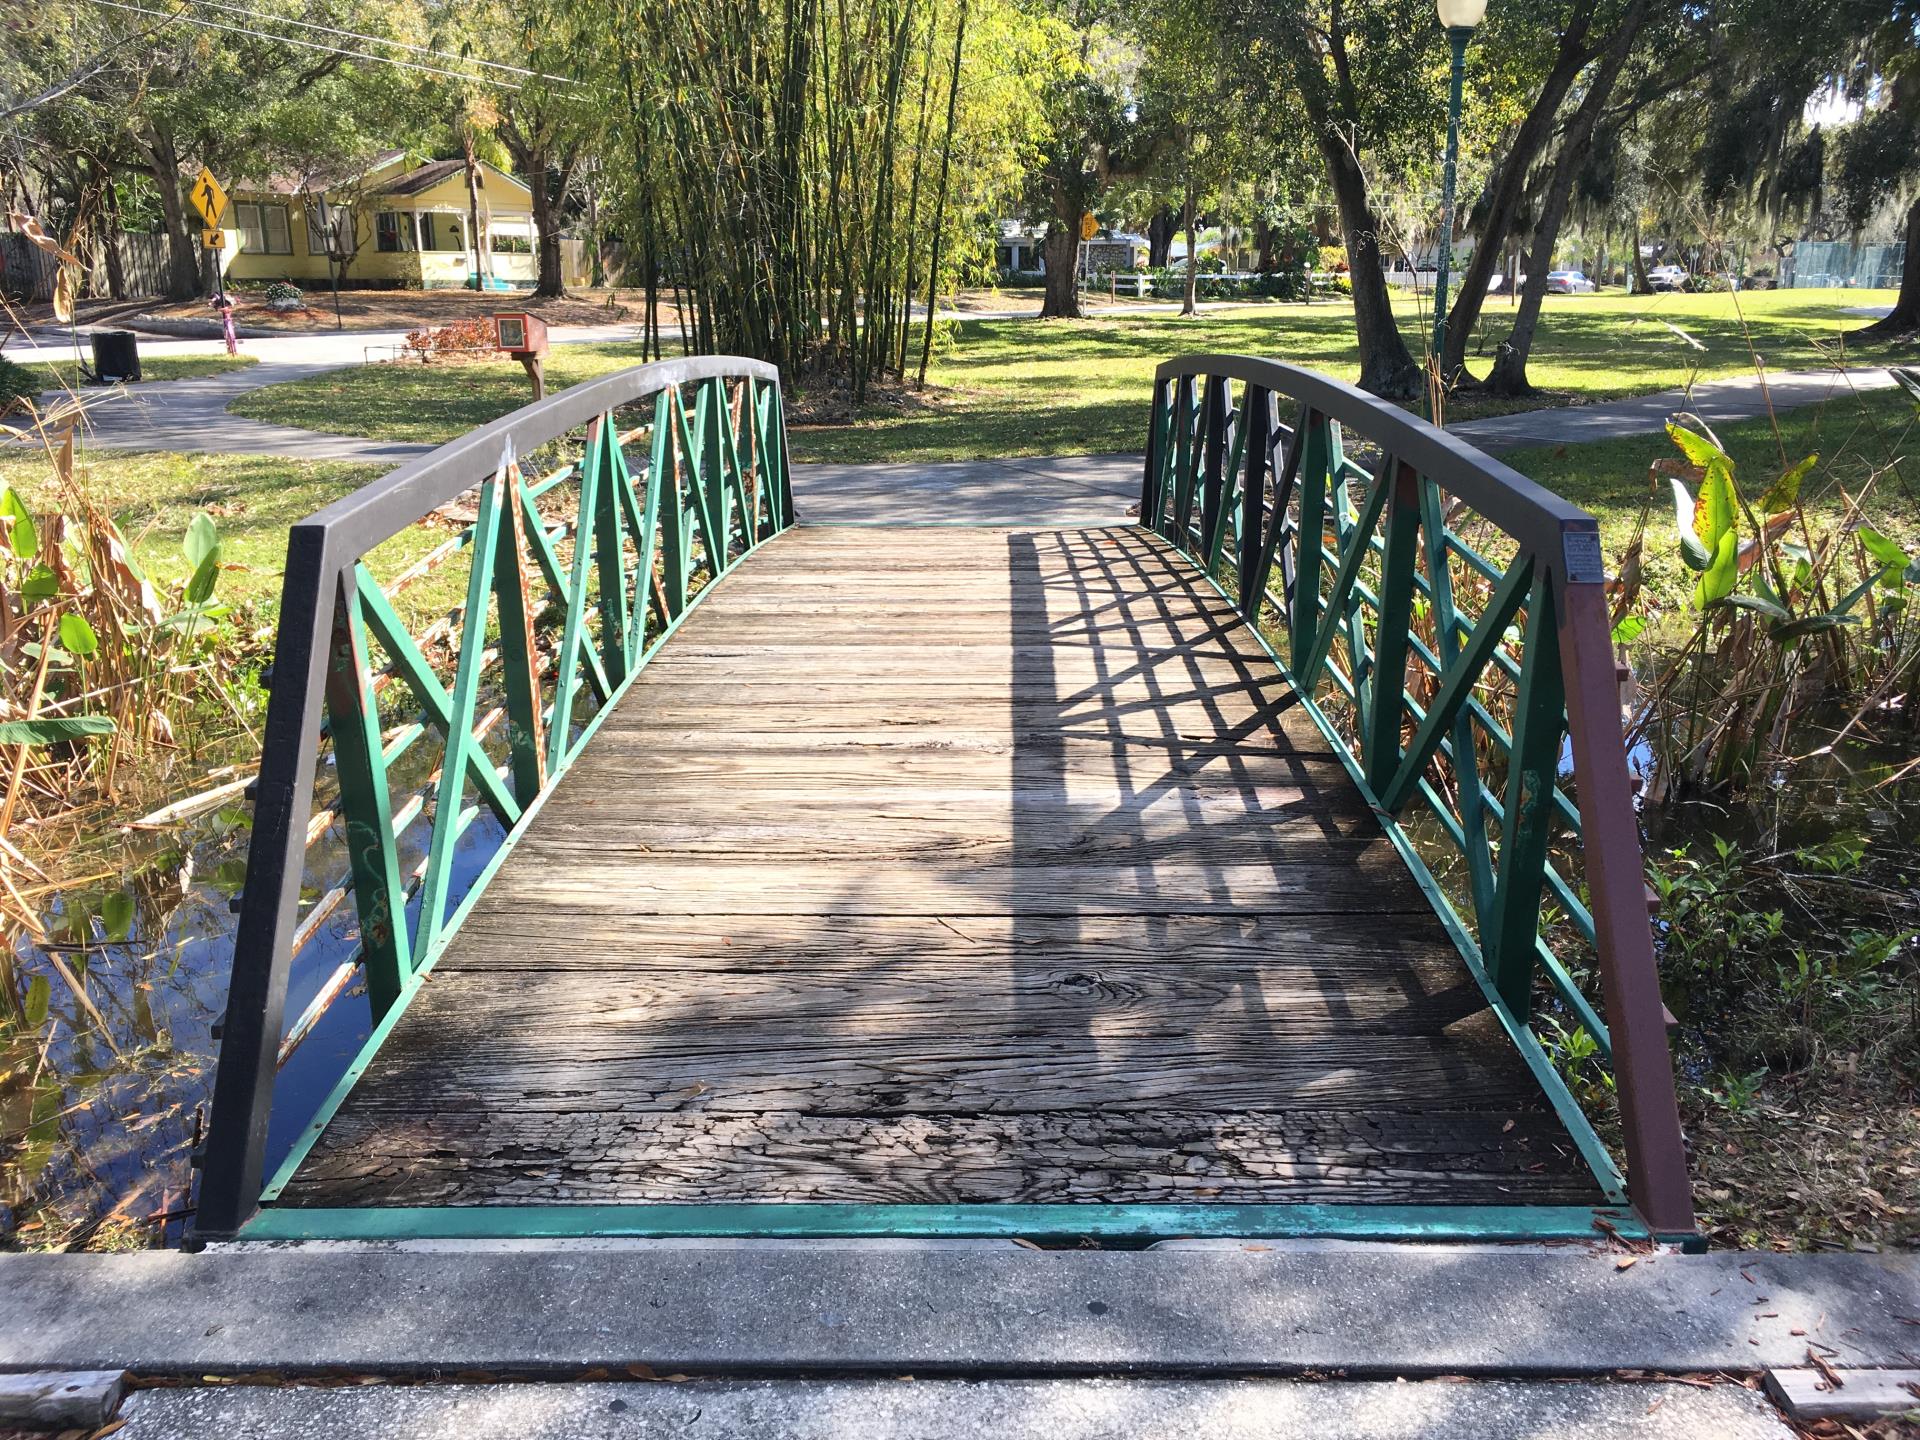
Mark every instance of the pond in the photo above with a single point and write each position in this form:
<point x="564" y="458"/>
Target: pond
<point x="103" y="1100"/>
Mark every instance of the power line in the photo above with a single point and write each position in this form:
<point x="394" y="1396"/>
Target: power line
<point x="382" y="40"/>
<point x="312" y="45"/>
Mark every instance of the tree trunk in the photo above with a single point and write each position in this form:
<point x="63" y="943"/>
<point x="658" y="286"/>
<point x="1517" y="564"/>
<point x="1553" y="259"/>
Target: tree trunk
<point x="1387" y="367"/>
<point x="546" y="228"/>
<point x="183" y="257"/>
<point x="1160" y="237"/>
<point x="473" y="210"/>
<point x="1264" y="262"/>
<point x="1060" y="249"/>
<point x="1905" y="316"/>
<point x="1187" y="307"/>
<point x="1509" y="374"/>
<point x="1508" y="187"/>
<point x="110" y="231"/>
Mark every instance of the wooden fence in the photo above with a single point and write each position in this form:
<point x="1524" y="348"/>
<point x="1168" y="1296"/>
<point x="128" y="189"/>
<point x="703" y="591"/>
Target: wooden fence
<point x="29" y="272"/>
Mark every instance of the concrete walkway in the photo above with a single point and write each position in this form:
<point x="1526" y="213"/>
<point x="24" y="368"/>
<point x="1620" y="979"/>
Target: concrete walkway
<point x="191" y="415"/>
<point x="943" y="1340"/>
<point x="911" y="1409"/>
<point x="1718" y="402"/>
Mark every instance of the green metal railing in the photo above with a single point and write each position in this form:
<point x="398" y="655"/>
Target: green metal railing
<point x="575" y="577"/>
<point x="1338" y="525"/>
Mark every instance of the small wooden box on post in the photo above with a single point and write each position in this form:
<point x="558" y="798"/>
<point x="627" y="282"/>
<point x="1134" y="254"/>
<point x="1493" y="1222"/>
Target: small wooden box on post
<point x="524" y="337"/>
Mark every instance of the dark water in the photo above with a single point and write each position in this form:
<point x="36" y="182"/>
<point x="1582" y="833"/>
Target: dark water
<point x="98" y="1127"/>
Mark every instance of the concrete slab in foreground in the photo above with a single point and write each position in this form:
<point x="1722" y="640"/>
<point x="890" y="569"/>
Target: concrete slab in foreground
<point x="894" y="1308"/>
<point x="963" y="1410"/>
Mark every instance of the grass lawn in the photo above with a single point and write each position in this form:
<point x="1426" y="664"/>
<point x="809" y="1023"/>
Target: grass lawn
<point x="251" y="499"/>
<point x="153" y="368"/>
<point x="1022" y="387"/>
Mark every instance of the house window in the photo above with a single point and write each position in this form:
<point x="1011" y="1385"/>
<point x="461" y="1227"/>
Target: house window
<point x="392" y="231"/>
<point x="322" y="219"/>
<point x="263" y="229"/>
<point x="442" y="233"/>
<point x="510" y="240"/>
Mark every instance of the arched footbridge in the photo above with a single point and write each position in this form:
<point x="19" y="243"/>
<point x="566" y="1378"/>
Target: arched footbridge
<point x="1266" y="867"/>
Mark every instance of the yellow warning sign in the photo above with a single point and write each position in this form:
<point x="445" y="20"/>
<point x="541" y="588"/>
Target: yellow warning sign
<point x="213" y="239"/>
<point x="1089" y="226"/>
<point x="208" y="198"/>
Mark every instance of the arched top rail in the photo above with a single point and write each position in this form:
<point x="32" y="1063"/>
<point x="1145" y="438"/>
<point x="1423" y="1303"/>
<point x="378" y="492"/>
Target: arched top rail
<point x="1529" y="512"/>
<point x="379" y="511"/>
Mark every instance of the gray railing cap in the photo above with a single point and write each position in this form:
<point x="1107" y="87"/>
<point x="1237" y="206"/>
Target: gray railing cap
<point x="1525" y="509"/>
<point x="356" y="523"/>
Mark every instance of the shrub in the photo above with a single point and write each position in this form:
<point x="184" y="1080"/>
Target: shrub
<point x="18" y="385"/>
<point x="462" y="337"/>
<point x="283" y="290"/>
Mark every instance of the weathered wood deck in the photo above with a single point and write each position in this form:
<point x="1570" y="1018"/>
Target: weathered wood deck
<point x="980" y="865"/>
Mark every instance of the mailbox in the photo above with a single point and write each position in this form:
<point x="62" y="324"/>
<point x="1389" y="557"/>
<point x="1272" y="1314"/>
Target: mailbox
<point x="520" y="335"/>
<point x="525" y="338"/>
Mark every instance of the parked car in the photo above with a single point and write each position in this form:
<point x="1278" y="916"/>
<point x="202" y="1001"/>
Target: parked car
<point x="1668" y="277"/>
<point x="1569" y="282"/>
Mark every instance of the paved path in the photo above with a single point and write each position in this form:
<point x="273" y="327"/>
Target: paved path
<point x="909" y="1409"/>
<point x="1718" y="402"/>
<point x="191" y="415"/>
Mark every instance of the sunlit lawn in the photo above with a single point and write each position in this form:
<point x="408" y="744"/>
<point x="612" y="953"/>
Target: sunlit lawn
<point x="252" y="499"/>
<point x="1005" y="388"/>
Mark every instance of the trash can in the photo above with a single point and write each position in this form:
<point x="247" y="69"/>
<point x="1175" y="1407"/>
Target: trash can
<point x="116" y="356"/>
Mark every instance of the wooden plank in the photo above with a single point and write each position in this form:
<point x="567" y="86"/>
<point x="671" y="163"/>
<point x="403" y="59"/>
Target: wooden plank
<point x="1238" y="1007"/>
<point x="1394" y="950"/>
<point x="626" y="883"/>
<point x="971" y="865"/>
<point x="1230" y="1157"/>
<point x="585" y="1070"/>
<point x="61" y="1399"/>
<point x="1809" y="1395"/>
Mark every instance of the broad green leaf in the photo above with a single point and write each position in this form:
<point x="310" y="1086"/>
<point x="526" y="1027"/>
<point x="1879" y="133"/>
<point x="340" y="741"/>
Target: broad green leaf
<point x="1853" y="596"/>
<point x="21" y="535"/>
<point x="1692" y="553"/>
<point x="116" y="913"/>
<point x="40" y="583"/>
<point x="201" y="540"/>
<point x="39" y="998"/>
<point x="1719" y="579"/>
<point x="51" y="729"/>
<point x="1811" y="625"/>
<point x="76" y="635"/>
<point x="1719" y="513"/>
<point x="1771" y="609"/>
<point x="1629" y="629"/>
<point x="1784" y="493"/>
<point x="1697" y="448"/>
<point x="1892" y="558"/>
<point x="200" y="587"/>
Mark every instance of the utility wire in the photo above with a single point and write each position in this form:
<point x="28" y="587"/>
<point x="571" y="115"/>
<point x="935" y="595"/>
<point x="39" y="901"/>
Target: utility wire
<point x="313" y="45"/>
<point x="382" y="40"/>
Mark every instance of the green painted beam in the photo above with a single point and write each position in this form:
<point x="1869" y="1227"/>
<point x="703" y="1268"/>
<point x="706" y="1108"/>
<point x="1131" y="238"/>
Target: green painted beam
<point x="1064" y="1223"/>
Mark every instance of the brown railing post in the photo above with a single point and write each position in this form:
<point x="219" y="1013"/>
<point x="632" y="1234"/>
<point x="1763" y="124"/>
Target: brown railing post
<point x="1642" y="1064"/>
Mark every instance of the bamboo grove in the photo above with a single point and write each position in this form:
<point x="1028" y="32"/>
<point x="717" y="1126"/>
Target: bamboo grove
<point x="795" y="173"/>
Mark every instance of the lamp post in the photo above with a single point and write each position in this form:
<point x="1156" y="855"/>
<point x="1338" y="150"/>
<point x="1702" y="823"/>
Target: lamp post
<point x="1459" y="17"/>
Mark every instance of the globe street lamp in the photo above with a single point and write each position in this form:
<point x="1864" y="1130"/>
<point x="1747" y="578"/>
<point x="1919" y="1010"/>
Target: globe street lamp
<point x="1459" y="17"/>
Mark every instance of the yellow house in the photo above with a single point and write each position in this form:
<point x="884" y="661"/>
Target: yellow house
<point x="403" y="221"/>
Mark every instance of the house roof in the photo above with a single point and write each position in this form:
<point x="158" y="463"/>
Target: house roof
<point x="320" y="180"/>
<point x="425" y="177"/>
